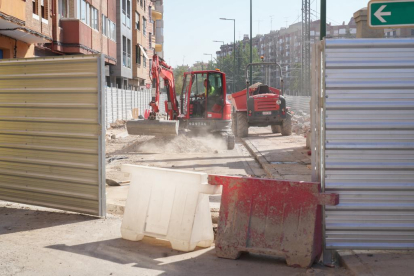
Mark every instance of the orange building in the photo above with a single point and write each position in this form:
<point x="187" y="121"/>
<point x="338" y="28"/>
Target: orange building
<point x="22" y="24"/>
<point x="31" y="28"/>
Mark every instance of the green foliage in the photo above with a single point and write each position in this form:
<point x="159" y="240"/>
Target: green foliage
<point x="296" y="77"/>
<point x="178" y="77"/>
<point x="225" y="64"/>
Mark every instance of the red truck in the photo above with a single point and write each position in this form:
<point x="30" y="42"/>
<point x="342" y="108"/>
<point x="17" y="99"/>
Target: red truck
<point x="260" y="105"/>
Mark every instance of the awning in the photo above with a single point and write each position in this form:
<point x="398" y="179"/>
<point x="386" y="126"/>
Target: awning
<point x="16" y="31"/>
<point x="143" y="52"/>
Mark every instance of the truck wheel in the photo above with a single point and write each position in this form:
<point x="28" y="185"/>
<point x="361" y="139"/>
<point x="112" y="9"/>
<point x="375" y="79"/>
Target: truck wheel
<point x="242" y="125"/>
<point x="234" y="123"/>
<point x="231" y="141"/>
<point x="287" y="125"/>
<point x="276" y="129"/>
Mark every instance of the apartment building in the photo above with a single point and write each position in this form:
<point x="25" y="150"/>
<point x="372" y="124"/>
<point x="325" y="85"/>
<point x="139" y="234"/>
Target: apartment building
<point x="57" y="27"/>
<point x="144" y="40"/>
<point x="285" y="47"/>
<point x="157" y="16"/>
<point x="84" y="27"/>
<point x="22" y="24"/>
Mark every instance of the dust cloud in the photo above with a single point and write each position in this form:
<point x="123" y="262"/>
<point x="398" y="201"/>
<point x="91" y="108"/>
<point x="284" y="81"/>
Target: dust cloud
<point x="183" y="144"/>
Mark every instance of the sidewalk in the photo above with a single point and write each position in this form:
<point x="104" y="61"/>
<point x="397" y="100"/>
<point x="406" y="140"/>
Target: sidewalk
<point x="282" y="157"/>
<point x="378" y="262"/>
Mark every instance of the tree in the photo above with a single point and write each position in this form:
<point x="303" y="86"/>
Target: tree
<point x="178" y="77"/>
<point x="295" y="79"/>
<point x="225" y="64"/>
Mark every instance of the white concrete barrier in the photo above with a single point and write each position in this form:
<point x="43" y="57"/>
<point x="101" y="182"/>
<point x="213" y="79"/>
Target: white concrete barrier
<point x="168" y="204"/>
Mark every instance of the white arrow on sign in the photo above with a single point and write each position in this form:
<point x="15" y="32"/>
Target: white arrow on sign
<point x="379" y="14"/>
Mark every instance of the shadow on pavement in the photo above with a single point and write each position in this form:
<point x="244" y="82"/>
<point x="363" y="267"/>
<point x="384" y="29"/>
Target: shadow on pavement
<point x="158" y="255"/>
<point x="14" y="220"/>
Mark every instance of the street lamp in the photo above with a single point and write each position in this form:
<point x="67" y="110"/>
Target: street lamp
<point x="251" y="40"/>
<point x="234" y="52"/>
<point x="323" y="20"/>
<point x="211" y="57"/>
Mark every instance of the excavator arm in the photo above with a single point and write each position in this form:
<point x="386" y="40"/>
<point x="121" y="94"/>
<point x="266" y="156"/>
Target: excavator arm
<point x="161" y="71"/>
<point x="155" y="125"/>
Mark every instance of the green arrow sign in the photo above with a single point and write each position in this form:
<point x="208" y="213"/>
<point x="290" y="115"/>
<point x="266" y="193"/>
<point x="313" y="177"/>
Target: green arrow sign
<point x="398" y="13"/>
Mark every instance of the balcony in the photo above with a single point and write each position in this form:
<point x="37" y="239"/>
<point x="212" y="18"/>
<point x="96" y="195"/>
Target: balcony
<point x="16" y="9"/>
<point x="76" y="33"/>
<point x="156" y="15"/>
<point x="78" y="38"/>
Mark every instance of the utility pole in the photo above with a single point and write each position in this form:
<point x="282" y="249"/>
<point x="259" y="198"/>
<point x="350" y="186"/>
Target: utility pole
<point x="251" y="41"/>
<point x="258" y="26"/>
<point x="306" y="59"/>
<point x="271" y="22"/>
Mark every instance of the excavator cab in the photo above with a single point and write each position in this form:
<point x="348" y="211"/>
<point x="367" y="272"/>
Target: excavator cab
<point x="203" y="95"/>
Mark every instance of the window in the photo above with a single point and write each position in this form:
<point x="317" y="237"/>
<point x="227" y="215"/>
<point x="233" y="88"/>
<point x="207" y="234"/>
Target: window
<point x="138" y="54"/>
<point x="145" y="5"/>
<point x="63" y="8"/>
<point x="150" y="63"/>
<point x="124" y="12"/>
<point x="129" y="14"/>
<point x="34" y="6"/>
<point x="140" y="2"/>
<point x="82" y="10"/>
<point x="113" y="30"/>
<point x="104" y="25"/>
<point x="88" y="14"/>
<point x="1" y="54"/>
<point x="412" y="32"/>
<point x="95" y="19"/>
<point x="124" y="51"/>
<point x="137" y="21"/>
<point x="144" y="59"/>
<point x="144" y="27"/>
<point x="126" y="55"/>
<point x="43" y="9"/>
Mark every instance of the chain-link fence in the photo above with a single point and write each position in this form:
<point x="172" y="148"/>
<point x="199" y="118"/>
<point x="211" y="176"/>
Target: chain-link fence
<point x="120" y="103"/>
<point x="298" y="103"/>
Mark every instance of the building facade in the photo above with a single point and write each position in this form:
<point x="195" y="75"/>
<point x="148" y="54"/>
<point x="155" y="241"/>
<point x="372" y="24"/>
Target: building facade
<point x="127" y="32"/>
<point x="22" y="25"/>
<point x="285" y="47"/>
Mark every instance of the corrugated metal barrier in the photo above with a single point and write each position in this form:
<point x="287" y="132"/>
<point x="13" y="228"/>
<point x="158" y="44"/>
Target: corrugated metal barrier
<point x="120" y="103"/>
<point x="51" y="132"/>
<point x="369" y="144"/>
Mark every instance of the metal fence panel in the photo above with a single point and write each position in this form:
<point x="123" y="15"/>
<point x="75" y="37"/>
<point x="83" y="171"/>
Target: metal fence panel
<point x="121" y="102"/>
<point x="369" y="145"/>
<point x="52" y="137"/>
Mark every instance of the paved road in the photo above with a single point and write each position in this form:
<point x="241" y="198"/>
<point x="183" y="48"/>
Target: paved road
<point x="41" y="242"/>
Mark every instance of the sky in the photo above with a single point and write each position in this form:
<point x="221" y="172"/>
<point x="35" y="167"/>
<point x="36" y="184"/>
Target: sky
<point x="191" y="26"/>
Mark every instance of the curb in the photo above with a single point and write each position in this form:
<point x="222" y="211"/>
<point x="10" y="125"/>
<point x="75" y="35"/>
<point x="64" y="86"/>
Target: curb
<point x="349" y="260"/>
<point x="258" y="156"/>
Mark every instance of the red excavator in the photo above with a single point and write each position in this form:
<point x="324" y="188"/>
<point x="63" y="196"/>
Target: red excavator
<point x="202" y="107"/>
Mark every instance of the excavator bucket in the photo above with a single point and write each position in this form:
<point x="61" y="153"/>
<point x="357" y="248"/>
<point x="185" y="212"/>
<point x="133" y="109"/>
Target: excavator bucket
<point x="152" y="127"/>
